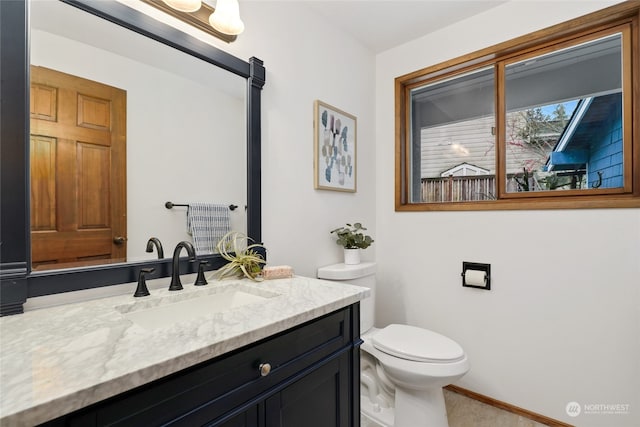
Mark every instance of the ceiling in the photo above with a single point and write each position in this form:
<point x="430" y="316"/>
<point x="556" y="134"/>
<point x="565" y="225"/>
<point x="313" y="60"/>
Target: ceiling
<point x="383" y="24"/>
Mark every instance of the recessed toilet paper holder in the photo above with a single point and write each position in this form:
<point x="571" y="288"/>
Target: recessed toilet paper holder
<point x="476" y="275"/>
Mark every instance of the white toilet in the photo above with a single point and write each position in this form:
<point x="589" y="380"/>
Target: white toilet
<point x="403" y="368"/>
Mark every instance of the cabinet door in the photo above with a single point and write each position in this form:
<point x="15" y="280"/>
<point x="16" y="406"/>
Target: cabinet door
<point x="322" y="398"/>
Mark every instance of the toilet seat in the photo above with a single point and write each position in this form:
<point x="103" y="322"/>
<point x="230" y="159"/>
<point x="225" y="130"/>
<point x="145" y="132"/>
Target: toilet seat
<point x="417" y="344"/>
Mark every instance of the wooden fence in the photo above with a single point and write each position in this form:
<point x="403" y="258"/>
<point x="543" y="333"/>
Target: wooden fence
<point x="458" y="188"/>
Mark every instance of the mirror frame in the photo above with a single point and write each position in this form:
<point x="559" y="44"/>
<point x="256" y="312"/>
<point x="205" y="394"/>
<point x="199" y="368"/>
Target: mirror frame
<point x="17" y="281"/>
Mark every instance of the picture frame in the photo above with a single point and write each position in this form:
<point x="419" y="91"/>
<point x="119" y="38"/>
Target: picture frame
<point x="335" y="148"/>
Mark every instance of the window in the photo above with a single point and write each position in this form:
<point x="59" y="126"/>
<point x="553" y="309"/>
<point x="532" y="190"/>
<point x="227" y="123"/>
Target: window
<point x="538" y="125"/>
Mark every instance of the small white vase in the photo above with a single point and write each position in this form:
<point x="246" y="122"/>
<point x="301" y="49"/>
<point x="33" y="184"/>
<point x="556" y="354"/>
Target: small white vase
<point x="352" y="256"/>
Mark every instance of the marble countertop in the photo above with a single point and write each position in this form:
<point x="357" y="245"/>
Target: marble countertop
<point x="56" y="360"/>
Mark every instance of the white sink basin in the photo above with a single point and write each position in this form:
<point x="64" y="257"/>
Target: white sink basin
<point x="170" y="310"/>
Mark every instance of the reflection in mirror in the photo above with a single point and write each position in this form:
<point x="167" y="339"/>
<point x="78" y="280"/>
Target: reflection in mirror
<point x="453" y="139"/>
<point x="564" y="119"/>
<point x="185" y="131"/>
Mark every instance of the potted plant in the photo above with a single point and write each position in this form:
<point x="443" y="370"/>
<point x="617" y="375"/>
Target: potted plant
<point x="244" y="259"/>
<point x="352" y="239"/>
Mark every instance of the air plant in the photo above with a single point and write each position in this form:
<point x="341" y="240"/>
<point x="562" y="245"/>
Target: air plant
<point x="244" y="259"/>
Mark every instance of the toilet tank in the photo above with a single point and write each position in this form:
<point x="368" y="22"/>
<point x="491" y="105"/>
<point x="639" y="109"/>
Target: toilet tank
<point x="363" y="274"/>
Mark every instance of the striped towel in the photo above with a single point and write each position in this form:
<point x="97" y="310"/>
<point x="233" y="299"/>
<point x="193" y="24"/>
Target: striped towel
<point x="207" y="223"/>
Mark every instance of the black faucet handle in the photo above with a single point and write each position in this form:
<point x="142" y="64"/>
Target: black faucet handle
<point x="142" y="290"/>
<point x="201" y="280"/>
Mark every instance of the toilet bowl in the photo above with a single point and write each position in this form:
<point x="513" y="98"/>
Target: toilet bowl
<point x="403" y="368"/>
<point x="418" y="363"/>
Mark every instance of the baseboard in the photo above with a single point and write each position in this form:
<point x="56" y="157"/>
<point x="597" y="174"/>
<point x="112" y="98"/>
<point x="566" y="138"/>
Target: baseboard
<point x="507" y="407"/>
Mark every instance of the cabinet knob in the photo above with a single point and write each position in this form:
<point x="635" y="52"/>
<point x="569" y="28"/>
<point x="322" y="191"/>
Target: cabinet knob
<point x="265" y="369"/>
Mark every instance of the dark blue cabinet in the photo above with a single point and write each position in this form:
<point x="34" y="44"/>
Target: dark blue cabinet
<point x="313" y="381"/>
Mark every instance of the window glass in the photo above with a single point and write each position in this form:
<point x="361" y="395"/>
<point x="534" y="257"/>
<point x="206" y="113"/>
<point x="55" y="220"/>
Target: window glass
<point x="564" y="119"/>
<point x="453" y="139"/>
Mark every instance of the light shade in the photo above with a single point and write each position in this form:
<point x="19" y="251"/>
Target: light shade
<point x="226" y="17"/>
<point x="184" y="5"/>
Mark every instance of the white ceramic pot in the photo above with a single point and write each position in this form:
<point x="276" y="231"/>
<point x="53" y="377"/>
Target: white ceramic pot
<point x="352" y="256"/>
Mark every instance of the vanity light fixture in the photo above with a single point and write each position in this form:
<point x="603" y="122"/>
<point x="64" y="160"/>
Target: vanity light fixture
<point x="222" y="22"/>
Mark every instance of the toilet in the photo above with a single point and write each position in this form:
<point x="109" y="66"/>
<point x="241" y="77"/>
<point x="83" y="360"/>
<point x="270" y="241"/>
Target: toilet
<point x="403" y="368"/>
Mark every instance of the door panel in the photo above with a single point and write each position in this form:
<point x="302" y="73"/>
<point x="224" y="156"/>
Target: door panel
<point x="78" y="170"/>
<point x="93" y="186"/>
<point x="94" y="113"/>
<point x="43" y="183"/>
<point x="320" y="399"/>
<point x="44" y="102"/>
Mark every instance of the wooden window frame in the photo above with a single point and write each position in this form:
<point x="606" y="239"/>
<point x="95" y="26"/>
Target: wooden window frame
<point x="623" y="18"/>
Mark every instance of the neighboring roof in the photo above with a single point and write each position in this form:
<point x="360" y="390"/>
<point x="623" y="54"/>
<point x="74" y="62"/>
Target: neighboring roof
<point x="465" y="169"/>
<point x="571" y="151"/>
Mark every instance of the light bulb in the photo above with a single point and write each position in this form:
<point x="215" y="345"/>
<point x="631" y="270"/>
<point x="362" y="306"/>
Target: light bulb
<point x="226" y="17"/>
<point x="184" y="5"/>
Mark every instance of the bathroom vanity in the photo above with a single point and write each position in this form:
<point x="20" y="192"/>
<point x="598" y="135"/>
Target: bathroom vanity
<point x="278" y="352"/>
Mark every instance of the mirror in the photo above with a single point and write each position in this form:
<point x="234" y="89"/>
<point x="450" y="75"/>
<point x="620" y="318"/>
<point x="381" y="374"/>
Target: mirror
<point x="185" y="132"/>
<point x="207" y="63"/>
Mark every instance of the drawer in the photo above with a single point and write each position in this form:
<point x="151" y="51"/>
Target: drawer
<point x="227" y="381"/>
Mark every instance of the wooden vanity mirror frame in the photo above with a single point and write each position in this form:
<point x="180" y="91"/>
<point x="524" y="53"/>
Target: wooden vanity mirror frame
<point x="17" y="281"/>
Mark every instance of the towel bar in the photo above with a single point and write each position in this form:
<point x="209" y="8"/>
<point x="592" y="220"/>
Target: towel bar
<point x="170" y="205"/>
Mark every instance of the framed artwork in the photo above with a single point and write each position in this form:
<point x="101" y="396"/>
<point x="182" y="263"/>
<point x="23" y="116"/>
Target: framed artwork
<point x="334" y="148"/>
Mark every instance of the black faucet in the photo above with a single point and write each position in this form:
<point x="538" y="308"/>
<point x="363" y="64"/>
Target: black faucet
<point x="154" y="241"/>
<point x="175" y="275"/>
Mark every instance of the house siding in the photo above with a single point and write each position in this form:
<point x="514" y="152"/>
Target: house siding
<point x="606" y="153"/>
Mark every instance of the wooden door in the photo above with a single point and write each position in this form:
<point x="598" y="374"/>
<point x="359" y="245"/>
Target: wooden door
<point x="78" y="171"/>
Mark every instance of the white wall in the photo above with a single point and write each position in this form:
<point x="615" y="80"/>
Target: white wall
<point x="307" y="59"/>
<point x="561" y="322"/>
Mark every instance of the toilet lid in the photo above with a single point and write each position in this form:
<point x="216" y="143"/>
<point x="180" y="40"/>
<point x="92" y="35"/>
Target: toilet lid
<point x="421" y="345"/>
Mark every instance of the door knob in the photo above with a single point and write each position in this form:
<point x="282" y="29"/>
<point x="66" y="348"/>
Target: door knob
<point x="118" y="240"/>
